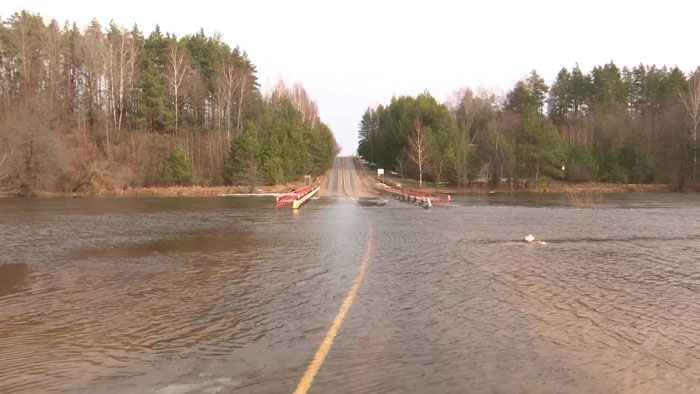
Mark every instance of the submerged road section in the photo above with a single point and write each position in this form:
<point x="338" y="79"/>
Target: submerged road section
<point x="197" y="295"/>
<point x="346" y="182"/>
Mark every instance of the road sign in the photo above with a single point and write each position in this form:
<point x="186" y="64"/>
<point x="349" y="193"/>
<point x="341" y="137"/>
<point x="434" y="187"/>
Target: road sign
<point x="380" y="171"/>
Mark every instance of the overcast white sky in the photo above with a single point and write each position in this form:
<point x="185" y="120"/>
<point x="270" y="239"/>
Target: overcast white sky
<point x="354" y="54"/>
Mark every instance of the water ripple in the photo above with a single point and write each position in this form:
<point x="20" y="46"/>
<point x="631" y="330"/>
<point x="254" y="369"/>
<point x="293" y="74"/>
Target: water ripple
<point x="219" y="295"/>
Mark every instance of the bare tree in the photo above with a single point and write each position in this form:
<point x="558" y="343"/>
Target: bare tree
<point x="92" y="74"/>
<point x="472" y="113"/>
<point x="177" y="67"/>
<point x="31" y="154"/>
<point x="440" y="164"/>
<point x="691" y="101"/>
<point x="6" y="174"/>
<point x="300" y="99"/>
<point x="51" y="44"/>
<point x="23" y="45"/>
<point x="302" y="102"/>
<point x="5" y="72"/>
<point x="402" y="163"/>
<point x="485" y="173"/>
<point x="229" y="82"/>
<point x="419" y="148"/>
<point x="119" y="54"/>
<point x="243" y="75"/>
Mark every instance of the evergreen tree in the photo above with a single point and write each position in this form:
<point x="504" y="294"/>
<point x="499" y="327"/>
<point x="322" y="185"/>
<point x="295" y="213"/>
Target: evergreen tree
<point x="177" y="169"/>
<point x="367" y="133"/>
<point x="538" y="89"/>
<point x="560" y="97"/>
<point x="245" y="158"/>
<point x="608" y="89"/>
<point x="580" y="91"/>
<point x="152" y="113"/>
<point x="540" y="149"/>
<point x="101" y="81"/>
<point x="273" y="163"/>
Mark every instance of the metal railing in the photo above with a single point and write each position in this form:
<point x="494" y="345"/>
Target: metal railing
<point x="287" y="198"/>
<point x="435" y="198"/>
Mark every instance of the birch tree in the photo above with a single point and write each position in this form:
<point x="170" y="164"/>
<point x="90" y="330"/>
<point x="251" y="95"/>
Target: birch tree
<point x="229" y="82"/>
<point x="304" y="104"/>
<point x="92" y="73"/>
<point x="51" y="44"/>
<point x="24" y="48"/>
<point x="243" y="77"/>
<point x="419" y="148"/>
<point x="66" y="94"/>
<point x="4" y="72"/>
<point x="177" y="67"/>
<point x="298" y="96"/>
<point x="119" y="54"/>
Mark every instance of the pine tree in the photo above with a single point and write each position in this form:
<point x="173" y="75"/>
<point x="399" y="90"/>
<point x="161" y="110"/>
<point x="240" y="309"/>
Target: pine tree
<point x="245" y="159"/>
<point x="177" y="169"/>
<point x="152" y="112"/>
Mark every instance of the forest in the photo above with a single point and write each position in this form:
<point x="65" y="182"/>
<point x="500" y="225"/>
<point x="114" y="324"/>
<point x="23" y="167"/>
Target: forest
<point x="619" y="125"/>
<point x="107" y="108"/>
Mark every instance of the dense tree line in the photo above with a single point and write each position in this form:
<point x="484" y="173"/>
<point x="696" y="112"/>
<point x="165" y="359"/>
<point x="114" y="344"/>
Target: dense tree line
<point x="287" y="142"/>
<point x="629" y="125"/>
<point x="109" y="108"/>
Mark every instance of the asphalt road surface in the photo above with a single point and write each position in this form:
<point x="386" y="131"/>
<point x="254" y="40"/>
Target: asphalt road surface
<point x="345" y="180"/>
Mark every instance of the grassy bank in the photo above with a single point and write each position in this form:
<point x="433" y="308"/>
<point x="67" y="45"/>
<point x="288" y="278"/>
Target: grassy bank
<point x="551" y="187"/>
<point x="554" y="187"/>
<point x="182" y="191"/>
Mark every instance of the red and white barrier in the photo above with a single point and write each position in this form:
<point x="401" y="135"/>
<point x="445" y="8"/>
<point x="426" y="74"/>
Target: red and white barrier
<point x="435" y="198"/>
<point x="288" y="198"/>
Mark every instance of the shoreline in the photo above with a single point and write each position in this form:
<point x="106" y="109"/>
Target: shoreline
<point x="274" y="190"/>
<point x="566" y="188"/>
<point x="181" y="191"/>
<point x="555" y="187"/>
<point x="587" y="187"/>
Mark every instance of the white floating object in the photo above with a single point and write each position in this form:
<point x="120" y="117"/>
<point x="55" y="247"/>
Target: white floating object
<point x="529" y="238"/>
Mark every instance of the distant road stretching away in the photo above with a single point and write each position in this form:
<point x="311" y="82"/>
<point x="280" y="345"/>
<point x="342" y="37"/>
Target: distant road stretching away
<point x="344" y="180"/>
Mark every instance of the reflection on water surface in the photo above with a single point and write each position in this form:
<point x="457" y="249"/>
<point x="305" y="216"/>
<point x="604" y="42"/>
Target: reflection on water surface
<point x="226" y="294"/>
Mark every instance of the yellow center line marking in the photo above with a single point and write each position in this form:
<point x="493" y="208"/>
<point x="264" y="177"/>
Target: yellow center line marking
<point x="322" y="352"/>
<point x="344" y="188"/>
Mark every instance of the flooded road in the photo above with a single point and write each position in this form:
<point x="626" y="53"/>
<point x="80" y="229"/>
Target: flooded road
<point x="189" y="295"/>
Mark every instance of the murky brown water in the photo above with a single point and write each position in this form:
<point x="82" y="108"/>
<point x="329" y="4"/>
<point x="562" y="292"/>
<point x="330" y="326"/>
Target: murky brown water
<point x="180" y="295"/>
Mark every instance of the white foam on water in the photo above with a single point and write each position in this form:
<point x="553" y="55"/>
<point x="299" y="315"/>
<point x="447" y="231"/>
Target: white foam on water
<point x="212" y="386"/>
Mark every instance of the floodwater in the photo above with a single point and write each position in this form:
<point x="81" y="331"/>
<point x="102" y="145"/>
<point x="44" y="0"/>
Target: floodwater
<point x="190" y="295"/>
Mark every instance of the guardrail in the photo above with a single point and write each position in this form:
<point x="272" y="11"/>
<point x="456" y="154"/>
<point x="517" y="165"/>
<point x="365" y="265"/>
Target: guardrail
<point x="417" y="195"/>
<point x="285" y="199"/>
<point x="301" y="201"/>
